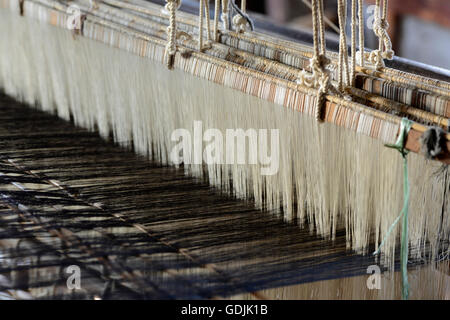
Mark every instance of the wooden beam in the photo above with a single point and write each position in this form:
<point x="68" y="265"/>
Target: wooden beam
<point x="413" y="144"/>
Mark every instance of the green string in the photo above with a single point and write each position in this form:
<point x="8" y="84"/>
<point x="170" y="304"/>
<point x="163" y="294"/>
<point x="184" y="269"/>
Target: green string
<point x="400" y="146"/>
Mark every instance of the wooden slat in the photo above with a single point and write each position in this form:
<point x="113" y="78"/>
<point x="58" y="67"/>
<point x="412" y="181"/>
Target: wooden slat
<point x="413" y="144"/>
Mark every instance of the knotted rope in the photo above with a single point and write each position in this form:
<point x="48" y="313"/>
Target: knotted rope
<point x="343" y="68"/>
<point x="380" y="27"/>
<point x="241" y="20"/>
<point x="320" y="77"/>
<point x="171" y="46"/>
<point x="203" y="12"/>
<point x="344" y="73"/>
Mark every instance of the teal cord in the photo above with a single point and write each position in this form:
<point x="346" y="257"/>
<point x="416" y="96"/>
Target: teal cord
<point x="400" y="146"/>
<point x="405" y="240"/>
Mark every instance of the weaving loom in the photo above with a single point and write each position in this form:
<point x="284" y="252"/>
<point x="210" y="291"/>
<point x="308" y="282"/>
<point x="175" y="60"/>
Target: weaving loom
<point x="142" y="225"/>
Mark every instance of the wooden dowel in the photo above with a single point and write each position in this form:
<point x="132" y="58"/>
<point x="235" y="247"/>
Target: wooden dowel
<point x="402" y="108"/>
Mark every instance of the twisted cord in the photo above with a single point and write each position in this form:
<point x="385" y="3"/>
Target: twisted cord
<point x="171" y="46"/>
<point x="316" y="34"/>
<point x="208" y="20"/>
<point x="200" y="25"/>
<point x="225" y="16"/>
<point x="380" y="27"/>
<point x="353" y="26"/>
<point x="361" y="31"/>
<point x="324" y="84"/>
<point x="321" y="27"/>
<point x="343" y="68"/>
<point x="216" y="20"/>
<point x="320" y="77"/>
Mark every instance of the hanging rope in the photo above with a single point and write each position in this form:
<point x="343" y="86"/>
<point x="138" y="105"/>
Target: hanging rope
<point x="203" y="12"/>
<point x="357" y="19"/>
<point x="400" y="146"/>
<point x="244" y="6"/>
<point x="361" y="31"/>
<point x="342" y="35"/>
<point x="353" y="26"/>
<point x="208" y="20"/>
<point x="171" y="47"/>
<point x="225" y="16"/>
<point x="343" y="68"/>
<point x="380" y="27"/>
<point x="200" y="25"/>
<point x="216" y="20"/>
<point x="321" y="22"/>
<point x="320" y="76"/>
